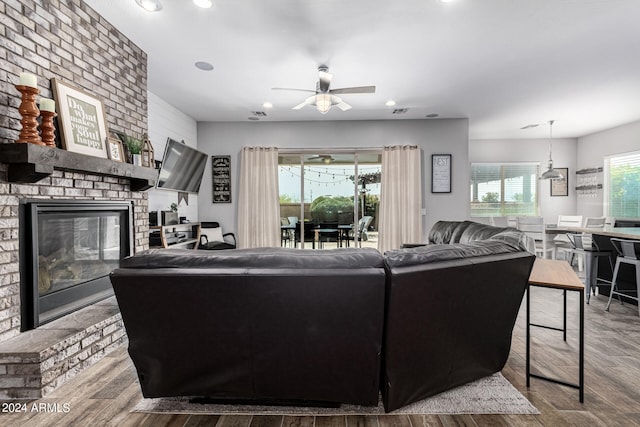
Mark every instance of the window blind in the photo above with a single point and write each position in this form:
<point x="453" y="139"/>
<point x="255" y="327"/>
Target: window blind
<point x="502" y="189"/>
<point x="623" y="185"/>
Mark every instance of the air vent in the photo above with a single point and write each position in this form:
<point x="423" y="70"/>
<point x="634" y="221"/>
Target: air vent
<point x="259" y="113"/>
<point x="252" y="118"/>
<point x="400" y="110"/>
<point x="431" y="116"/>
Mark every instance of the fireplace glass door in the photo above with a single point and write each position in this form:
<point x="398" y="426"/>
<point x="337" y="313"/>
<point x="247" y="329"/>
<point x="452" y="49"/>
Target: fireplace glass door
<point x="73" y="250"/>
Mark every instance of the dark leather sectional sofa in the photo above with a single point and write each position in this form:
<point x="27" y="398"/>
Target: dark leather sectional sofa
<point x="283" y="325"/>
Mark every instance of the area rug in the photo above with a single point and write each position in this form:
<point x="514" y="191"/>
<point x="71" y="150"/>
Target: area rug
<point x="489" y="395"/>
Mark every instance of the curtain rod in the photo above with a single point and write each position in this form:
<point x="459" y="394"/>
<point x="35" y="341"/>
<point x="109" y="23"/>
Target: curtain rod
<point x="323" y="150"/>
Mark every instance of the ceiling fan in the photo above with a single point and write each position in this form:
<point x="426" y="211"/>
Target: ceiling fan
<point x="324" y="98"/>
<point x="324" y="158"/>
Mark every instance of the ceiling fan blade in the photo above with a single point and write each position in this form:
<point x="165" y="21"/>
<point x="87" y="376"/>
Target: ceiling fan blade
<point x="288" y="88"/>
<point x="325" y="81"/>
<point x="343" y="106"/>
<point x="309" y="100"/>
<point x="359" y="89"/>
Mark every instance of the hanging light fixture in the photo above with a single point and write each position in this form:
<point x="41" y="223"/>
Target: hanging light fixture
<point x="551" y="173"/>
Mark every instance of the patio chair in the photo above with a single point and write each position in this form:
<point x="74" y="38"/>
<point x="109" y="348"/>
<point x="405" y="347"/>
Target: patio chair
<point x="361" y="235"/>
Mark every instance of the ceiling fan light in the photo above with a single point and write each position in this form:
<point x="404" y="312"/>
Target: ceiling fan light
<point x="150" y="5"/>
<point x="323" y="103"/>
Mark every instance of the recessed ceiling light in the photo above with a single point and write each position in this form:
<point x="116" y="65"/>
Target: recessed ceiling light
<point x="205" y="4"/>
<point x="432" y="116"/>
<point x="446" y="1"/>
<point x="204" y="66"/>
<point x="267" y="104"/>
<point x="150" y="5"/>
<point x="390" y="103"/>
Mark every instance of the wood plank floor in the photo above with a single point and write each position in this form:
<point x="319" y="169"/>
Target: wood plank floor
<point x="104" y="394"/>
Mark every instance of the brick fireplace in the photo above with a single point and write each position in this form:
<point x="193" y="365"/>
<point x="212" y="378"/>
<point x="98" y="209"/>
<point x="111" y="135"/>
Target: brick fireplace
<point x="69" y="41"/>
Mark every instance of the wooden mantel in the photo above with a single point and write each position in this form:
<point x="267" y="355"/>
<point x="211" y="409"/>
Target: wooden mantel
<point x="29" y="163"/>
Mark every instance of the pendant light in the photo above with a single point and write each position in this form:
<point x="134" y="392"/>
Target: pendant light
<point x="551" y="173"/>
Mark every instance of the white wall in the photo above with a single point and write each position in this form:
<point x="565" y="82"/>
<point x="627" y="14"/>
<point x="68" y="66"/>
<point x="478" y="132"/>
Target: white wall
<point x="591" y="152"/>
<point x="166" y="121"/>
<point x="535" y="150"/>
<point x="449" y="136"/>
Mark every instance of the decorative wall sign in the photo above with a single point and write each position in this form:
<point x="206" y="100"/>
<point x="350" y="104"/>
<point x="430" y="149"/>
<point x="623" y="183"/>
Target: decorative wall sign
<point x="82" y="122"/>
<point x="441" y="173"/>
<point x="115" y="150"/>
<point x="560" y="187"/>
<point x="221" y="170"/>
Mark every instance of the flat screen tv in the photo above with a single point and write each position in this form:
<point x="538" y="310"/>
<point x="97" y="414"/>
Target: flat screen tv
<point x="182" y="167"/>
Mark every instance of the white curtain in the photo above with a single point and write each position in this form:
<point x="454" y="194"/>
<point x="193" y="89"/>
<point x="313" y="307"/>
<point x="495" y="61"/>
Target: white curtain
<point x="400" y="197"/>
<point x="258" y="204"/>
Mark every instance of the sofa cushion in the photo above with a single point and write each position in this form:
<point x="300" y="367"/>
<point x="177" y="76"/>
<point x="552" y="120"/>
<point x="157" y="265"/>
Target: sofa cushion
<point x="256" y="258"/>
<point x="447" y="231"/>
<point x="516" y="238"/>
<point x="445" y="252"/>
<point x="477" y="231"/>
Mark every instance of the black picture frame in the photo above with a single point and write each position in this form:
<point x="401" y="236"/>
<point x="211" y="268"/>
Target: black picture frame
<point x="221" y="179"/>
<point x="441" y="173"/>
<point x="560" y="186"/>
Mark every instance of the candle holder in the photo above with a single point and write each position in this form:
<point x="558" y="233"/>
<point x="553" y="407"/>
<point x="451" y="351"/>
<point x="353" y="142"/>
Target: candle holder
<point x="30" y="112"/>
<point x="47" y="128"/>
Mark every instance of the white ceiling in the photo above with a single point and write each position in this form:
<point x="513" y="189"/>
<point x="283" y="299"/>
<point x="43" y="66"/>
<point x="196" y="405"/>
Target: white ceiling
<point x="501" y="63"/>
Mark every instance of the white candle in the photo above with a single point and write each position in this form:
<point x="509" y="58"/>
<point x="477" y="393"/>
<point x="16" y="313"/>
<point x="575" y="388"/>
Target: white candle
<point x="47" y="104"/>
<point x="28" y="79"/>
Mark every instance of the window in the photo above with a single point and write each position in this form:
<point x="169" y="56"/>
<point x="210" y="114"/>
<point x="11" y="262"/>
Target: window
<point x="622" y="188"/>
<point x="502" y="189"/>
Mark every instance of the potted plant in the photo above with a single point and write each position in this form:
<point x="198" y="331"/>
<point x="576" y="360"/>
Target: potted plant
<point x="134" y="147"/>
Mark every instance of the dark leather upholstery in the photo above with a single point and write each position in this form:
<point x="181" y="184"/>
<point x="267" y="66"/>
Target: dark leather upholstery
<point x="450" y="312"/>
<point x="305" y="325"/>
<point x="265" y="324"/>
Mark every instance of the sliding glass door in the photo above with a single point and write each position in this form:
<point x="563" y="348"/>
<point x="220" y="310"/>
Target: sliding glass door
<point x="329" y="199"/>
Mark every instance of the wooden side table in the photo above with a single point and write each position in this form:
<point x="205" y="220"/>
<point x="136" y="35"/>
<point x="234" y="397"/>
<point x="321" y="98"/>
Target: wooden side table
<point x="556" y="274"/>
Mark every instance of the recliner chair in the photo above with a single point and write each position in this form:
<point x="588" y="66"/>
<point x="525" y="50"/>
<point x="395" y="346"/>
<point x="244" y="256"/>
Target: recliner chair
<point x="212" y="238"/>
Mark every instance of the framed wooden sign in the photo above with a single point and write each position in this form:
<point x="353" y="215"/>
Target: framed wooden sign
<point x="81" y="119"/>
<point x="221" y="180"/>
<point x="441" y="173"/>
<point x="115" y="149"/>
<point x="560" y="186"/>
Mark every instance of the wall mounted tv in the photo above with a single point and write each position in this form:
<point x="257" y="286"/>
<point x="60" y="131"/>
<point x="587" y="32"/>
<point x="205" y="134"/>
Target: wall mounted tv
<point x="182" y="167"/>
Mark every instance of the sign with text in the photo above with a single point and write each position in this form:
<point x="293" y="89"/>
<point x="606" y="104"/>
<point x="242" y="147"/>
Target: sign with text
<point x="82" y="122"/>
<point x="221" y="170"/>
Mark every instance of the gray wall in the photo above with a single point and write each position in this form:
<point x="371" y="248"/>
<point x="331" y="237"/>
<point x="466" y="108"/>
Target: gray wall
<point x="591" y="152"/>
<point x="535" y="150"/>
<point x="165" y="121"/>
<point x="447" y="136"/>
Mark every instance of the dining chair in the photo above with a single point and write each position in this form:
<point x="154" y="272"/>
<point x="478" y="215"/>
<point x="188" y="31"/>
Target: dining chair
<point x="561" y="243"/>
<point x="500" y="221"/>
<point x="628" y="253"/>
<point x="533" y="226"/>
<point x="586" y="240"/>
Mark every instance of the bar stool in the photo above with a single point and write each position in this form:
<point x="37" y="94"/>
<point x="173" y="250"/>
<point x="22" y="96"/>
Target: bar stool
<point x="584" y="246"/>
<point x="628" y="253"/>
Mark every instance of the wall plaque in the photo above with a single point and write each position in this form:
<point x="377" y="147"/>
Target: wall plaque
<point x="221" y="170"/>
